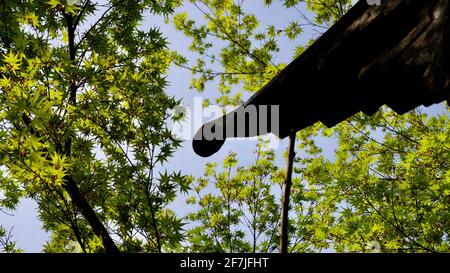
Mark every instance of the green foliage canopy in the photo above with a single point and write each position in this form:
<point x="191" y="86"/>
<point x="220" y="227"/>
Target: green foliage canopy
<point x="83" y="117"/>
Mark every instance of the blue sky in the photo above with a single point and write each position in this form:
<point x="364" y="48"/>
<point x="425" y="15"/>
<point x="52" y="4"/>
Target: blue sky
<point x="27" y="228"/>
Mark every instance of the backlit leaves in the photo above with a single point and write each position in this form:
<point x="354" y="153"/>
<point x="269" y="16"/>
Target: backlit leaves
<point x="92" y="108"/>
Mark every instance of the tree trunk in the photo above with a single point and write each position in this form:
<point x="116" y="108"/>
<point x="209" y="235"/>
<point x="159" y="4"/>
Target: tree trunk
<point x="89" y="214"/>
<point x="286" y="196"/>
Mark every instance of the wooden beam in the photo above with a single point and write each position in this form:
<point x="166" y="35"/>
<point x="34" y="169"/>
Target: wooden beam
<point x="396" y="54"/>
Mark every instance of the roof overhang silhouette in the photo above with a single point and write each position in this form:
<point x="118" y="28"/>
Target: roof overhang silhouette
<point x="395" y="54"/>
